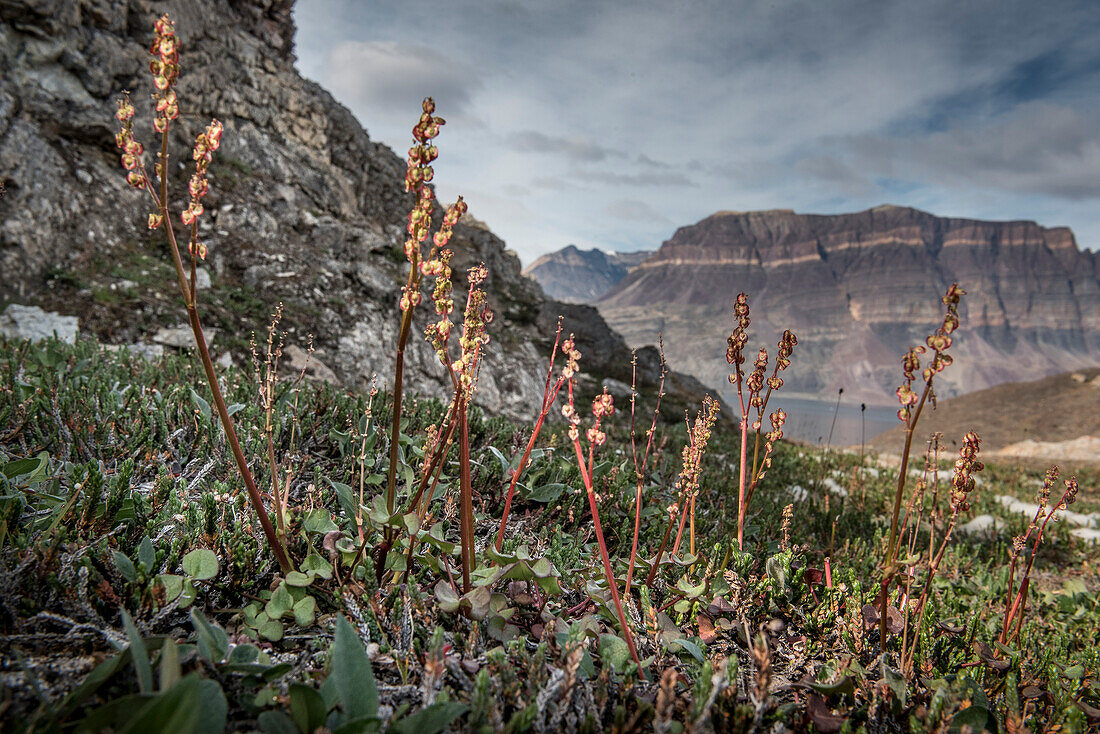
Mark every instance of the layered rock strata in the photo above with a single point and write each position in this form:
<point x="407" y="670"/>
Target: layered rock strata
<point x="859" y="288"/>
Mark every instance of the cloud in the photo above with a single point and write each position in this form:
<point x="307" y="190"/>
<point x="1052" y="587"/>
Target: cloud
<point x="1040" y="149"/>
<point x="385" y="78"/>
<point x="573" y="148"/>
<point x="634" y="210"/>
<point x="833" y="171"/>
<point x="985" y="108"/>
<point x="640" y="178"/>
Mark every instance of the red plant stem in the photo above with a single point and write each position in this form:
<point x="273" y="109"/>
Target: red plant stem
<point x="660" y="552"/>
<point x="680" y="531"/>
<point x="442" y="449"/>
<point x="1021" y="595"/>
<point x="741" y="480"/>
<point x="466" y="499"/>
<point x="1026" y="586"/>
<point x="932" y="569"/>
<point x="548" y="398"/>
<point x="515" y="479"/>
<point x="611" y="585"/>
<point x="891" y="552"/>
<point x="208" y="366"/>
<point x="638" y="471"/>
<point x="398" y="377"/>
<point x="1012" y="576"/>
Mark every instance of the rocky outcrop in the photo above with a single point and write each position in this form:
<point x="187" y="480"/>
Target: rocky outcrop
<point x="581" y="276"/>
<point x="304" y="208"/>
<point x="858" y="288"/>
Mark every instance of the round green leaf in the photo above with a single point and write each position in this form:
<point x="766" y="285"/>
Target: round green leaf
<point x="201" y="564"/>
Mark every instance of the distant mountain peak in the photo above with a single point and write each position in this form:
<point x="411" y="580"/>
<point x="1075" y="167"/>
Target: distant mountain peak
<point x="581" y="276"/>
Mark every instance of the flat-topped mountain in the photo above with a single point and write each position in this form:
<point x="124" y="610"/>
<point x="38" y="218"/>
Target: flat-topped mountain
<point x="858" y="288"/>
<point x="581" y="276"/>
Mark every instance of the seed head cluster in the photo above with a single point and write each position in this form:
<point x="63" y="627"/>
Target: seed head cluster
<point x="962" y="482"/>
<point x="418" y="173"/>
<point x="698" y="436"/>
<point x="939" y="342"/>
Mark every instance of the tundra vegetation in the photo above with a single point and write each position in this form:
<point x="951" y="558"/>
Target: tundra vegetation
<point x="191" y="548"/>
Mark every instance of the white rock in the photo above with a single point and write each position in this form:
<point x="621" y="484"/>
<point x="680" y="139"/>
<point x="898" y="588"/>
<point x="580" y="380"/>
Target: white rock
<point x="181" y="337"/>
<point x="202" y="279"/>
<point x="147" y="350"/>
<point x="1088" y="535"/>
<point x="798" y="492"/>
<point x="298" y="359"/>
<point x="31" y="322"/>
<point x="982" y="524"/>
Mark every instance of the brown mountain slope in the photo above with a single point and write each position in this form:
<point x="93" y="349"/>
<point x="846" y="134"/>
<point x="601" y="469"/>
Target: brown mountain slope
<point x="858" y="288"/>
<point x="1058" y="408"/>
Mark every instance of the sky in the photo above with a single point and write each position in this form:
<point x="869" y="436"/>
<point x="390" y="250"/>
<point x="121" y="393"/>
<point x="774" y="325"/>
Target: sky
<point x="611" y="124"/>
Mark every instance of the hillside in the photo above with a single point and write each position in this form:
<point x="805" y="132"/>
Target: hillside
<point x="582" y="276"/>
<point x="304" y="208"/>
<point x="858" y="288"/>
<point x="1012" y="417"/>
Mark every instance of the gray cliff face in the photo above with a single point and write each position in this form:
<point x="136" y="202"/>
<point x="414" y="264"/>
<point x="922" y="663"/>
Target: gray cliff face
<point x="304" y="208"/>
<point x="581" y="276"/>
<point x="858" y="288"/>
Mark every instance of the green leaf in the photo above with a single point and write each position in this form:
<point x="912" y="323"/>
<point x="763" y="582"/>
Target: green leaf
<point x="213" y="642"/>
<point x="431" y="720"/>
<point x="193" y="705"/>
<point x="124" y="565"/>
<point x="352" y="669"/>
<point x="34" y="468"/>
<point x="299" y="579"/>
<point x="614" y="651"/>
<point x="318" y="521"/>
<point x="977" y="718"/>
<point x="201" y="404"/>
<point x="305" y="611"/>
<point x="271" y="630"/>
<point x="777" y="573"/>
<point x="448" y="600"/>
<point x="139" y="654"/>
<point x="276" y="722"/>
<point x="147" y="556"/>
<point x="842" y="686"/>
<point x="173" y="585"/>
<point x="280" y="603"/>
<point x="546" y="494"/>
<point x="244" y="654"/>
<point x="345" y="497"/>
<point x="306" y="707"/>
<point x="188" y="595"/>
<point x="690" y="647"/>
<point x="201" y="564"/>
<point x="362" y="725"/>
<point x="317" y="566"/>
<point x="170" y="672"/>
<point x="690" y="591"/>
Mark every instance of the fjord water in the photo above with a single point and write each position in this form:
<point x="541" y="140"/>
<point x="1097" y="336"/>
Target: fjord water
<point x="808" y="419"/>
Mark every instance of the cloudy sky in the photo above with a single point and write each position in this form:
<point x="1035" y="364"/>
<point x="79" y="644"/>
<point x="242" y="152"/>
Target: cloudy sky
<point x="610" y="124"/>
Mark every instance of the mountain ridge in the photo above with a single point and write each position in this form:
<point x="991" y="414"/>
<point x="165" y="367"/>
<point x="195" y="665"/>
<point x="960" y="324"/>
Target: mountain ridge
<point x="858" y="288"/>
